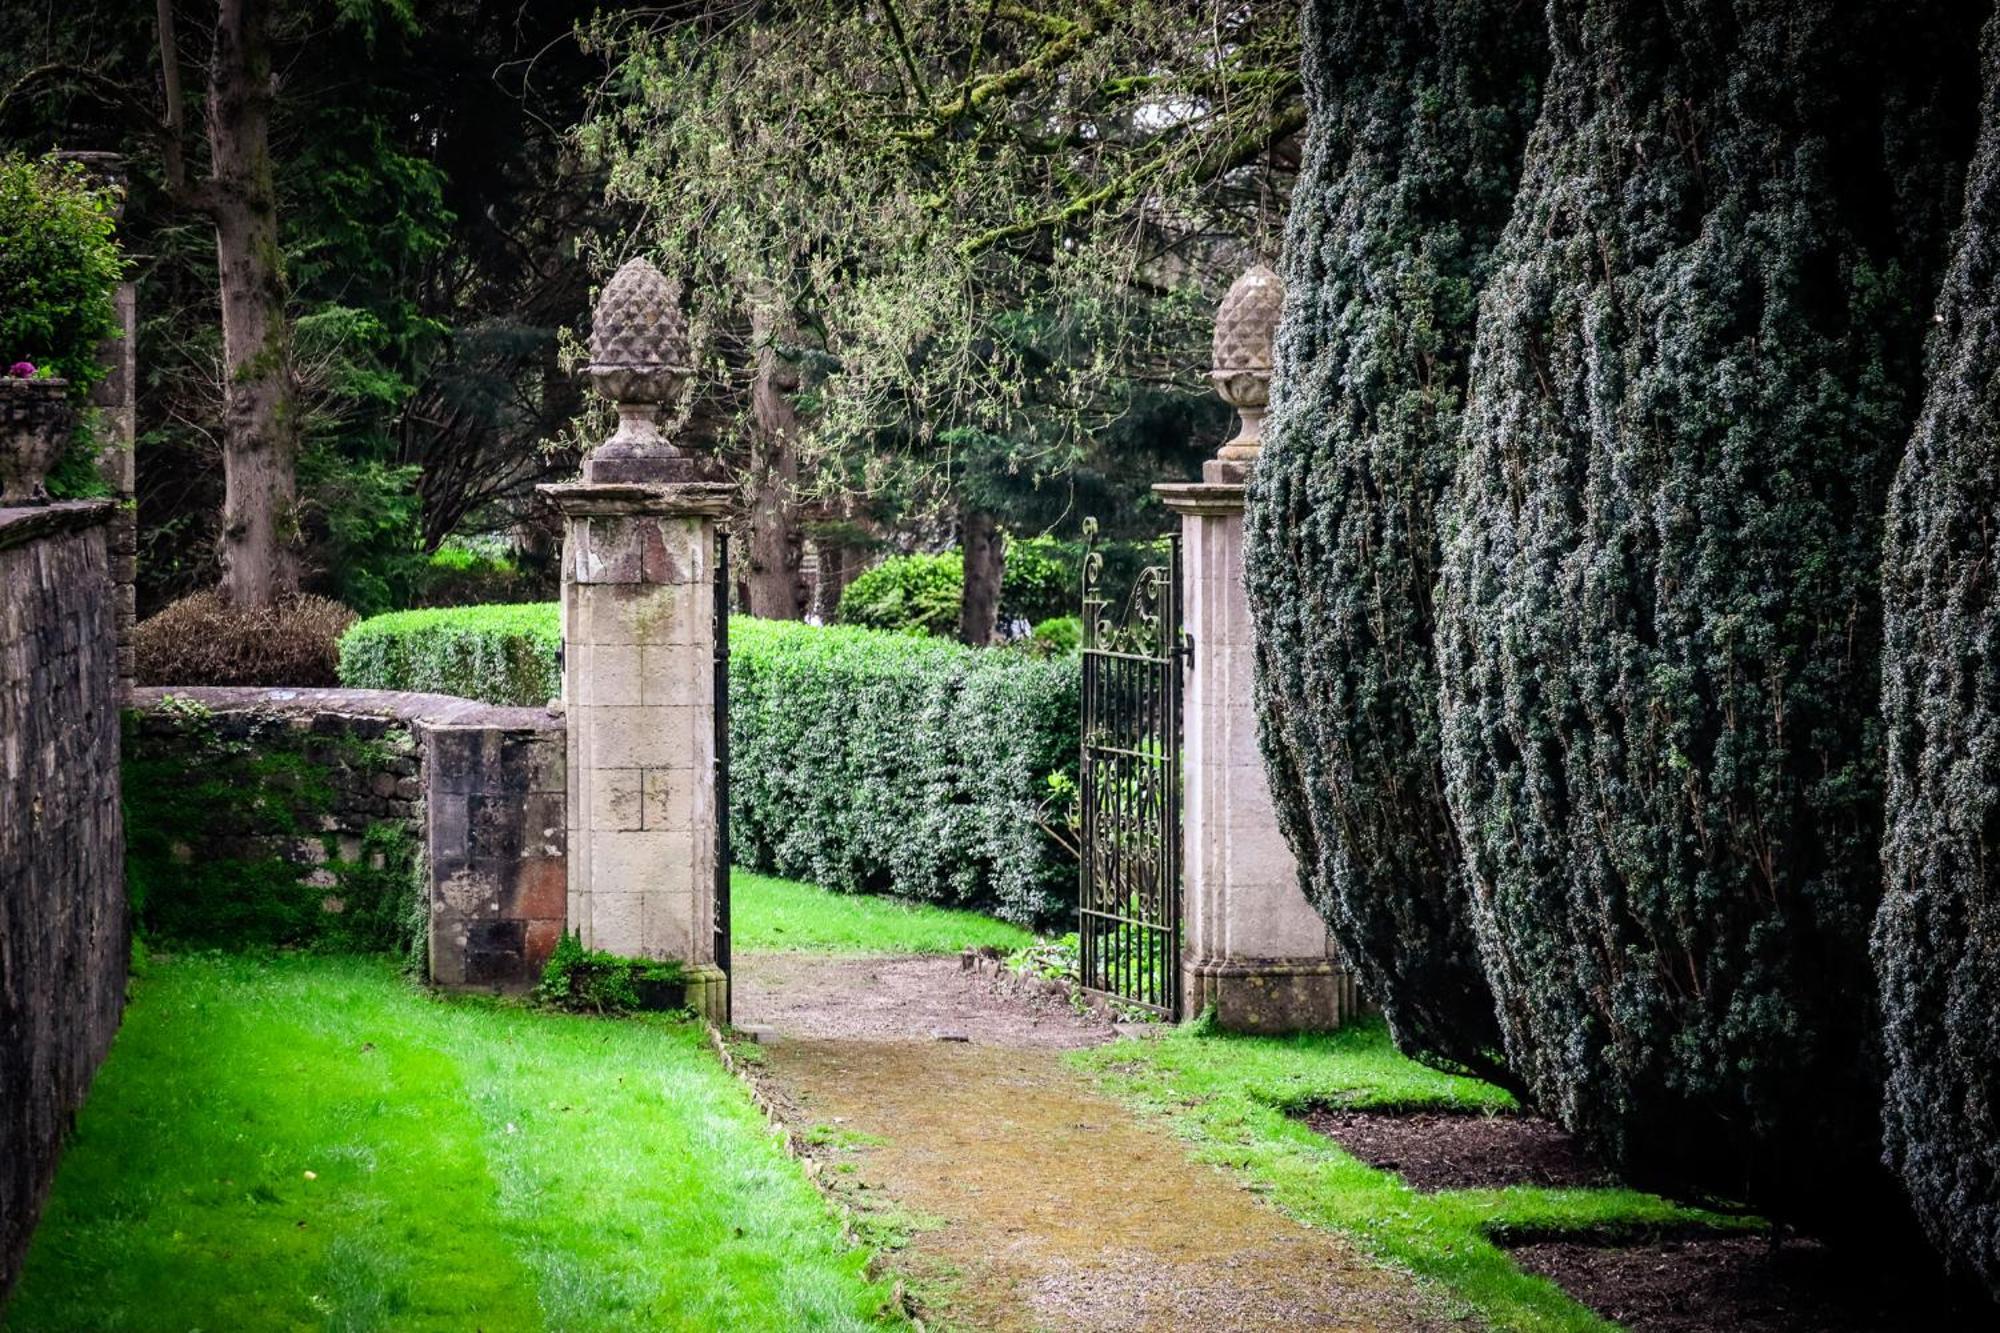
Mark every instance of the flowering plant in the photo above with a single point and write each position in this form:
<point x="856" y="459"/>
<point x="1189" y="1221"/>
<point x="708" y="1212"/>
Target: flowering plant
<point x="22" y="370"/>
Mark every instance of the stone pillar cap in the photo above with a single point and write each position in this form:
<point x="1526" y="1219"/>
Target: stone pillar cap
<point x="707" y="499"/>
<point x="1201" y="497"/>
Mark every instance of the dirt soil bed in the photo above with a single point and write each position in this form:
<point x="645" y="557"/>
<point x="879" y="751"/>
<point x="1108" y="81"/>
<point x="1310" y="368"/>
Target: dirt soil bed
<point x="1012" y="1195"/>
<point x="1735" y="1284"/>
<point x="1442" y="1151"/>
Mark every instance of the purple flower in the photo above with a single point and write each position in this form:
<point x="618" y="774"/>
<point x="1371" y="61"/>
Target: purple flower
<point x="22" y="370"/>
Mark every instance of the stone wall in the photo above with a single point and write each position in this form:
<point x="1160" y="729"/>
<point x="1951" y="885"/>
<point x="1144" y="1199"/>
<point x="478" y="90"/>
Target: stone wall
<point x="64" y="941"/>
<point x="360" y="819"/>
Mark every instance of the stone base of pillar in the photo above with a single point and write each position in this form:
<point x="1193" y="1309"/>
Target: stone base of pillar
<point x="1272" y="995"/>
<point x="708" y="991"/>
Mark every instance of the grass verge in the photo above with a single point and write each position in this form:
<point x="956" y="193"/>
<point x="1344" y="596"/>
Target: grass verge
<point x="771" y="914"/>
<point x="308" y="1141"/>
<point x="1228" y="1096"/>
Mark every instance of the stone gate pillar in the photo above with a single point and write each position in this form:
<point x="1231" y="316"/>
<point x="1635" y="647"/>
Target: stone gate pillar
<point x="115" y="397"/>
<point x="638" y="571"/>
<point x="1252" y="945"/>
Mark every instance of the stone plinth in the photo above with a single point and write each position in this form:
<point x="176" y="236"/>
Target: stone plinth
<point x="638" y="605"/>
<point x="1253" y="946"/>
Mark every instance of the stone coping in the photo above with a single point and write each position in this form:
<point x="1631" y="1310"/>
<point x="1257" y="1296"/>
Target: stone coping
<point x="434" y="710"/>
<point x="29" y="522"/>
<point x="621" y="499"/>
<point x="1201" y="497"/>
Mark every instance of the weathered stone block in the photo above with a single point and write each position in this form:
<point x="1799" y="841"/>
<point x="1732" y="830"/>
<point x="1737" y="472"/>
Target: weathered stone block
<point x="616" y="798"/>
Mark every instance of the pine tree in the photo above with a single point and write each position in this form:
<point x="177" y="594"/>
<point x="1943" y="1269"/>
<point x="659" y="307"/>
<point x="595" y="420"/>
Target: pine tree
<point x="1418" y="114"/>
<point x="1937" y="937"/>
<point x="1659" y="617"/>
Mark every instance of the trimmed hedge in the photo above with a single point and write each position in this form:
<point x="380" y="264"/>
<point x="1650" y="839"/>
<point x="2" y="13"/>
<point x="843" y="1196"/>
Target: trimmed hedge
<point x="860" y="760"/>
<point x="203" y="640"/>
<point x="499" y="654"/>
<point x="882" y="762"/>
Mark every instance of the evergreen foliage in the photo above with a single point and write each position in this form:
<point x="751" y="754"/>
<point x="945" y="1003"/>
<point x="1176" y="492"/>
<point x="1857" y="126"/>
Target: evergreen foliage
<point x="920" y="593"/>
<point x="1936" y="943"/>
<point x="888" y="763"/>
<point x="1419" y="113"/>
<point x="1659" y="614"/>
<point x="498" y="654"/>
<point x="912" y="594"/>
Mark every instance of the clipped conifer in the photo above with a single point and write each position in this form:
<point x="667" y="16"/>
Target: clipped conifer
<point x="1937" y="936"/>
<point x="1419" y="111"/>
<point x="1698" y="360"/>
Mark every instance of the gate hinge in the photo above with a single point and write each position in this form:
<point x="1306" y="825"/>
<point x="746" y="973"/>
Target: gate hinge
<point x="1186" y="650"/>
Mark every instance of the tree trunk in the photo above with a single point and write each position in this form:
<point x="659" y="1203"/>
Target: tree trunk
<point x="260" y="418"/>
<point x="775" y="577"/>
<point x="985" y="560"/>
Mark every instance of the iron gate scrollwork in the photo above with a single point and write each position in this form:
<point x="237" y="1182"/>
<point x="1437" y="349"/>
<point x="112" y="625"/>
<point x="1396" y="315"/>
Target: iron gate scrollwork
<point x="1129" y="780"/>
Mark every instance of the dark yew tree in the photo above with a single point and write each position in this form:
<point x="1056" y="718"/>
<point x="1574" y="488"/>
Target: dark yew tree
<point x="1660" y="624"/>
<point x="1937" y="938"/>
<point x="1418" y="116"/>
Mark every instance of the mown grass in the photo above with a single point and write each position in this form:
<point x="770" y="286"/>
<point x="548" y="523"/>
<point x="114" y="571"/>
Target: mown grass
<point x="1229" y="1097"/>
<point x="773" y="914"/>
<point x="311" y="1142"/>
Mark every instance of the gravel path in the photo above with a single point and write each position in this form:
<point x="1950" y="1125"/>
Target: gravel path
<point x="1030" y="1201"/>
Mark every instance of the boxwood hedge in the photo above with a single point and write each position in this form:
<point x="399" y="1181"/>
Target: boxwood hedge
<point x="860" y="760"/>
<point x="501" y="654"/>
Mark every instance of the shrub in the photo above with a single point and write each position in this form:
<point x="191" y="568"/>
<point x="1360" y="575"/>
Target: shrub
<point x="203" y="640"/>
<point x="457" y="574"/>
<point x="1040" y="579"/>
<point x="920" y="593"/>
<point x="1058" y="636"/>
<point x="1393" y="221"/>
<point x="889" y="763"/>
<point x="910" y="594"/>
<point x="597" y="982"/>
<point x="500" y="654"/>
<point x="58" y="266"/>
<point x="1659" y="622"/>
<point x="1936" y="953"/>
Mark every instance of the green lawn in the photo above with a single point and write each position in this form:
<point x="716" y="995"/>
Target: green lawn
<point x="1228" y="1097"/>
<point x="312" y="1142"/>
<point x="780" y="914"/>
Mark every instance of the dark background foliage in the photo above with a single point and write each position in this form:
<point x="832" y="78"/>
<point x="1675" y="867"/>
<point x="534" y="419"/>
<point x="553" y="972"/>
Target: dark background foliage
<point x="1419" y="115"/>
<point x="430" y="211"/>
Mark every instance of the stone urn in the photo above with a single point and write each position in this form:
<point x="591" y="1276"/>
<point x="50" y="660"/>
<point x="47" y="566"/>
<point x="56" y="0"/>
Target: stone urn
<point x="34" y="426"/>
<point x="638" y="361"/>
<point x="1246" y="325"/>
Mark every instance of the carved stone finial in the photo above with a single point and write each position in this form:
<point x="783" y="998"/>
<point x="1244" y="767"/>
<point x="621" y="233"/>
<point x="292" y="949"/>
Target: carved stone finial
<point x="1246" y="325"/>
<point x="638" y="360"/>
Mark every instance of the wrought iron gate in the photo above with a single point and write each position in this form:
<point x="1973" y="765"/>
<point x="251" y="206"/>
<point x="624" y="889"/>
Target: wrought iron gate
<point x="721" y="687"/>
<point x="1129" y="780"/>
